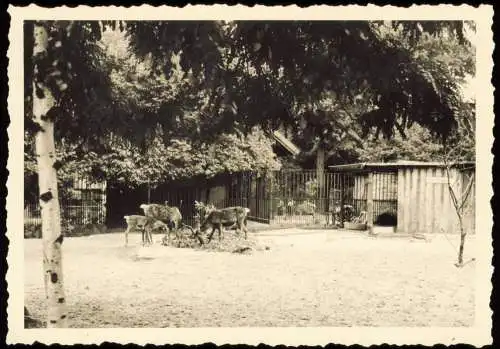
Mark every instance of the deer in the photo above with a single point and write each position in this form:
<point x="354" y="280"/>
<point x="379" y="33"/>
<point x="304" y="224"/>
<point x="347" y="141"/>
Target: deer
<point x="227" y="217"/>
<point x="169" y="215"/>
<point x="203" y="209"/>
<point x="195" y="230"/>
<point x="144" y="224"/>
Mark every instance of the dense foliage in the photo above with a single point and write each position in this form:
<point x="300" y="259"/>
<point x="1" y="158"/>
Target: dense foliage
<point x="447" y="63"/>
<point x="280" y="71"/>
<point x="147" y="144"/>
<point x="160" y="113"/>
<point x="418" y="146"/>
<point x="123" y="162"/>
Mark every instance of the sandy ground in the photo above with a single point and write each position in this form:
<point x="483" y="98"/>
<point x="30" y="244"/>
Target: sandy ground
<point x="306" y="278"/>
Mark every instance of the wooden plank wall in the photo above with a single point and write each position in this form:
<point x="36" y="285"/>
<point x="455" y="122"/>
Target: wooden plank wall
<point x="470" y="206"/>
<point x="424" y="202"/>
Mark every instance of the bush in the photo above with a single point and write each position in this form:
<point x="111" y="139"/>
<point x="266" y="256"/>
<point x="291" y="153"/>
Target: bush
<point x="285" y="207"/>
<point x="32" y="230"/>
<point x="232" y="242"/>
<point x="305" y="208"/>
<point x="311" y="189"/>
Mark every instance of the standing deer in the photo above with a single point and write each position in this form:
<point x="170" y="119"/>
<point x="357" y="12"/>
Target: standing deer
<point x="228" y="216"/>
<point x="144" y="224"/>
<point x="169" y="215"/>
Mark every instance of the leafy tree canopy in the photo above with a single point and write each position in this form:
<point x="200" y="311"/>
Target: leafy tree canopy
<point x="446" y="58"/>
<point x="134" y="152"/>
<point x="252" y="72"/>
<point x="267" y="72"/>
<point x="204" y="79"/>
<point x="418" y="146"/>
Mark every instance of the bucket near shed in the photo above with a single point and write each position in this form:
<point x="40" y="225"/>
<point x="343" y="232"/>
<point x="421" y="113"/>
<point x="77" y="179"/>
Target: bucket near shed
<point x="357" y="223"/>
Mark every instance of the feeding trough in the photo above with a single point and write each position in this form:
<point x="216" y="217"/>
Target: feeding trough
<point x="357" y="223"/>
<point x="355" y="226"/>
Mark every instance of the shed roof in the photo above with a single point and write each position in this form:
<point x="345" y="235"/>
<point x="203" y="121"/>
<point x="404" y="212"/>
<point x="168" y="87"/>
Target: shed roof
<point x="286" y="143"/>
<point x="368" y="166"/>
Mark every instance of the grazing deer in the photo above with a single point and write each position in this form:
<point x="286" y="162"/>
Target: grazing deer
<point x="203" y="209"/>
<point x="167" y="214"/>
<point x="144" y="224"/>
<point x="227" y="217"/>
<point x="195" y="230"/>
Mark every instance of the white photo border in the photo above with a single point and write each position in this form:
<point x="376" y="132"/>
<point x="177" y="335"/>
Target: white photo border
<point x="478" y="335"/>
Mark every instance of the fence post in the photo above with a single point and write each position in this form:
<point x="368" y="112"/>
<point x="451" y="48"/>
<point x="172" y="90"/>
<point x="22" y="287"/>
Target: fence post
<point x="343" y="183"/>
<point x="327" y="194"/>
<point x="369" y="200"/>
<point x="269" y="180"/>
<point x="103" y="202"/>
<point x="320" y="176"/>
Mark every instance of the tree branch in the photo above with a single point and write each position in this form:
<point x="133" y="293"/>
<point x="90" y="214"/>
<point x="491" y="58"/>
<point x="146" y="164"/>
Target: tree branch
<point x="353" y="135"/>
<point x="467" y="192"/>
<point x="313" y="150"/>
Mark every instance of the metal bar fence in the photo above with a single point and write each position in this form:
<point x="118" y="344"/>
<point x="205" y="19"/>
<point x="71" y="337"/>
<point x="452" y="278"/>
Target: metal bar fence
<point x="81" y="202"/>
<point x="385" y="193"/>
<point x="291" y="197"/>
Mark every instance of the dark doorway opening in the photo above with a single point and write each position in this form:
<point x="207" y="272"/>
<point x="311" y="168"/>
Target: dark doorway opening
<point x="387" y="219"/>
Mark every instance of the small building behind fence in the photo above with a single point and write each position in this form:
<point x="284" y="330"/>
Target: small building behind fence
<point x="415" y="194"/>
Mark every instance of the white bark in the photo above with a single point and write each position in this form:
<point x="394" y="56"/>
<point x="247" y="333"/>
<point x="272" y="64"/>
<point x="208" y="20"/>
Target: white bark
<point x="49" y="201"/>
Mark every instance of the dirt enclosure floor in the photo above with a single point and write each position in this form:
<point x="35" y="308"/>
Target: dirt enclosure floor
<point x="303" y="278"/>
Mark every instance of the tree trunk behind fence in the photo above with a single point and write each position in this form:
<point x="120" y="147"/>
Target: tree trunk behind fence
<point x="49" y="201"/>
<point x="320" y="176"/>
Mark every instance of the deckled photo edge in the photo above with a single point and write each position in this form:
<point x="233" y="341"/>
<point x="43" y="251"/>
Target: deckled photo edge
<point x="290" y="336"/>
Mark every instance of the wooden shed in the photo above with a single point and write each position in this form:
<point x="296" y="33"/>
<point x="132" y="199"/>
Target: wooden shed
<point x="415" y="193"/>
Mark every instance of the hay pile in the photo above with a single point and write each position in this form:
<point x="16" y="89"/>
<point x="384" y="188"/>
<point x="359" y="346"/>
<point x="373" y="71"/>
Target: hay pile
<point x="231" y="242"/>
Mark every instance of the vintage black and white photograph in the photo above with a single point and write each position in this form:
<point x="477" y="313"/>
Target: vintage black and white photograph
<point x="250" y="173"/>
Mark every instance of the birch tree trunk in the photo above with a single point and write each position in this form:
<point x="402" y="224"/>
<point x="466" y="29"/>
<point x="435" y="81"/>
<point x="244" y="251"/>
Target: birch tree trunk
<point x="52" y="237"/>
